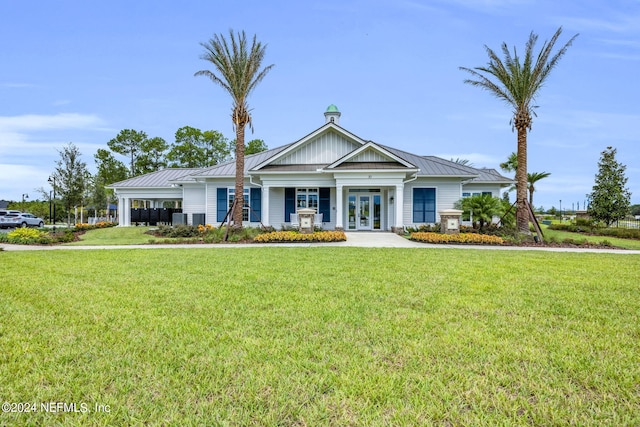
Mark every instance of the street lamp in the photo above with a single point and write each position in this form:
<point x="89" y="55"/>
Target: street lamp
<point x="24" y="196"/>
<point x="52" y="180"/>
<point x="560" y="210"/>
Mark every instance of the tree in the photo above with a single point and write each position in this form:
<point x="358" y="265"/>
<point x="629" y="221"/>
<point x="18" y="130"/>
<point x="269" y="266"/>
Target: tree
<point x="187" y="151"/>
<point x="635" y="210"/>
<point x="482" y="208"/>
<point x="109" y="170"/>
<point x="216" y="147"/>
<point x="238" y="72"/>
<point x="532" y="178"/>
<point x="128" y="143"/>
<point x="610" y="200"/>
<point x="252" y="147"/>
<point x="518" y="82"/>
<point x="511" y="164"/>
<point x="71" y="176"/>
<point x="152" y="155"/>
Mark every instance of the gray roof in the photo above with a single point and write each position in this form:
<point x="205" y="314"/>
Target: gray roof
<point x="434" y="166"/>
<point x="491" y="176"/>
<point x="229" y="168"/>
<point x="158" y="179"/>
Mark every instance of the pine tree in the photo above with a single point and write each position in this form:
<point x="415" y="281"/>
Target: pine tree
<point x="609" y="200"/>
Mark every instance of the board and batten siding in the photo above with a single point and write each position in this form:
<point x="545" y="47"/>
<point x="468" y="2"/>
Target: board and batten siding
<point x="447" y="193"/>
<point x="325" y="149"/>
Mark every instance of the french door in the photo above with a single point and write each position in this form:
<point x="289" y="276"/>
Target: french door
<point x="364" y="212"/>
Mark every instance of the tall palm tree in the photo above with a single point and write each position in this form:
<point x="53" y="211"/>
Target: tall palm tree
<point x="518" y="81"/>
<point x="237" y="69"/>
<point x="532" y="178"/>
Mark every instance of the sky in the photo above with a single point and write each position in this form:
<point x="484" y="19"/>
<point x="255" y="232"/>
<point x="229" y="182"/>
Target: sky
<point x="79" y="72"/>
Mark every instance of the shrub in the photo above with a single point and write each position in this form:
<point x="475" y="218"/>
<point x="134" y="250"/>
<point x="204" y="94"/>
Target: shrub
<point x="467" y="238"/>
<point x="424" y="228"/>
<point x="101" y="224"/>
<point x="293" y="236"/>
<point x="28" y="236"/>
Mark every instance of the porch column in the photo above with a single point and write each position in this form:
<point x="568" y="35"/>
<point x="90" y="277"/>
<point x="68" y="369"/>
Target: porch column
<point x="339" y="215"/>
<point x="399" y="206"/>
<point x="265" y="205"/>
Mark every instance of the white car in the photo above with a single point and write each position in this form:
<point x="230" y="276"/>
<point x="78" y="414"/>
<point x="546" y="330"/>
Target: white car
<point x="21" y="220"/>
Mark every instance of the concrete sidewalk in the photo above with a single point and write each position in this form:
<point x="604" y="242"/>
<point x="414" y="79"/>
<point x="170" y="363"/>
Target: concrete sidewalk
<point x="354" y="239"/>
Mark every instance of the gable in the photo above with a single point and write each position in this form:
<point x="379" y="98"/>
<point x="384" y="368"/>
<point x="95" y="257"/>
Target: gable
<point x="321" y="149"/>
<point x="371" y="155"/>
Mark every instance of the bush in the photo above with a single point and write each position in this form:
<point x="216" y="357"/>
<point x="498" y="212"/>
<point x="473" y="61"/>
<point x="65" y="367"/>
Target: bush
<point x="467" y="238"/>
<point x="425" y="228"/>
<point x="101" y="224"/>
<point x="293" y="236"/>
<point x="28" y="236"/>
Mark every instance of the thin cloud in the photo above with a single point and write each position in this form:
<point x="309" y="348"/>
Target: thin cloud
<point x="35" y="122"/>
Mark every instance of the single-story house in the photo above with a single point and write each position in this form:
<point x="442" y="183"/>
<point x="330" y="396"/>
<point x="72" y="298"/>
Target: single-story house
<point x="352" y="183"/>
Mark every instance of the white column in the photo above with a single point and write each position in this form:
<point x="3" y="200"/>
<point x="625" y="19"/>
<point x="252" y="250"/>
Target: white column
<point x="265" y="205"/>
<point x="127" y="211"/>
<point x="339" y="215"/>
<point x="399" y="201"/>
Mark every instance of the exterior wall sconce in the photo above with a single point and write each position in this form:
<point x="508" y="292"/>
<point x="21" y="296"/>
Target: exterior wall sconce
<point x="391" y="200"/>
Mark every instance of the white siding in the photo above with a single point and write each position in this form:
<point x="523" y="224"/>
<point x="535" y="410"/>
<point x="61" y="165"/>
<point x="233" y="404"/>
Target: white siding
<point x="496" y="190"/>
<point x="447" y="193"/>
<point x="325" y="149"/>
<point x="194" y="200"/>
<point x="370" y="155"/>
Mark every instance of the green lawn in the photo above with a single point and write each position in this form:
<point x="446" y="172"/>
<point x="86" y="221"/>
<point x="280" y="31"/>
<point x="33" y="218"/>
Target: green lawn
<point x="321" y="336"/>
<point x="562" y="235"/>
<point x="115" y="236"/>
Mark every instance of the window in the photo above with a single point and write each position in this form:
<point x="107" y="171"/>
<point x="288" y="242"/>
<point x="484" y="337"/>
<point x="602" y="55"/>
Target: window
<point x="307" y="198"/>
<point x="231" y="192"/>
<point x="465" y="195"/>
<point x="424" y="205"/>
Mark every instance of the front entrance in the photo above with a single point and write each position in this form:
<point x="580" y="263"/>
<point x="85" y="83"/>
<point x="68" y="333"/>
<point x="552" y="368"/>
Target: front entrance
<point x="364" y="211"/>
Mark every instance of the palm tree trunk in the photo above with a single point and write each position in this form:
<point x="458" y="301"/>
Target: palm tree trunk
<point x="239" y="196"/>
<point x="522" y="215"/>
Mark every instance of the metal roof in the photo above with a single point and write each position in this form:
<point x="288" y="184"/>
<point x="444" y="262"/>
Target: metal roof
<point x="229" y="168"/>
<point x="434" y="166"/>
<point x="158" y="179"/>
<point x="492" y="176"/>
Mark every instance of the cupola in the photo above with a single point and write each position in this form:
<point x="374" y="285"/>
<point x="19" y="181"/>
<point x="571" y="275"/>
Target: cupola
<point x="332" y="115"/>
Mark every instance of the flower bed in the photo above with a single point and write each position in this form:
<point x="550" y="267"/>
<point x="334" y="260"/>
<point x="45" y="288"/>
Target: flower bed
<point x="294" y="236"/>
<point x="468" y="238"/>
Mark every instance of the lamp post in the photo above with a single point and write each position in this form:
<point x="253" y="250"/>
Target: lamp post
<point x="560" y="210"/>
<point x="24" y="196"/>
<point x="52" y="180"/>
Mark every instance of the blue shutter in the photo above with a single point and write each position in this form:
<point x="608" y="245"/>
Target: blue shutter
<point x="324" y="205"/>
<point x="289" y="203"/>
<point x="255" y="202"/>
<point x="222" y="203"/>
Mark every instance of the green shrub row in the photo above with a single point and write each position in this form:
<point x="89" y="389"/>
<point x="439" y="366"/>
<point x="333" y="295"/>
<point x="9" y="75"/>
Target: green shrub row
<point x="622" y="233"/>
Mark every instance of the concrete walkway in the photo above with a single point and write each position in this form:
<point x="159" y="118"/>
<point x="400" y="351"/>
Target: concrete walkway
<point x="354" y="239"/>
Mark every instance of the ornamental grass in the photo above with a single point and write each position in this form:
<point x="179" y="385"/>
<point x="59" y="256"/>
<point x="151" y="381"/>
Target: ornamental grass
<point x="294" y="236"/>
<point x="467" y="238"/>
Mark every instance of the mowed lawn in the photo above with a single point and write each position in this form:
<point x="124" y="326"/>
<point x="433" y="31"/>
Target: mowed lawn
<point x="320" y="336"/>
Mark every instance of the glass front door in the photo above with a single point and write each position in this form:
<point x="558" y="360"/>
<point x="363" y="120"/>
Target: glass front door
<point x="364" y="212"/>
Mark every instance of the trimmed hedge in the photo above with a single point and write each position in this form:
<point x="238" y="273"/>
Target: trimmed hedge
<point x="294" y="236"/>
<point x="467" y="238"/>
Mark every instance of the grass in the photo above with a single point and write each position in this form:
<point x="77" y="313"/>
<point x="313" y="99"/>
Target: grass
<point x="115" y="236"/>
<point x="562" y="235"/>
<point x="321" y="336"/>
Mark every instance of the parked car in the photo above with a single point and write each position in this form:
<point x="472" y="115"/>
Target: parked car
<point x="20" y="220"/>
<point x="4" y="212"/>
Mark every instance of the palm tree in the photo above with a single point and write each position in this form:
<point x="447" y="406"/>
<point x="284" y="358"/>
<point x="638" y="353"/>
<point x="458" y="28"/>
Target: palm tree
<point x="237" y="70"/>
<point x="511" y="165"/>
<point x="481" y="208"/>
<point x="518" y="82"/>
<point x="532" y="178"/>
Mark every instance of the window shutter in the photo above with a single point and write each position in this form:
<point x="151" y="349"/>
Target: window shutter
<point x="255" y="202"/>
<point x="289" y="203"/>
<point x="324" y="205"/>
<point x="221" y="203"/>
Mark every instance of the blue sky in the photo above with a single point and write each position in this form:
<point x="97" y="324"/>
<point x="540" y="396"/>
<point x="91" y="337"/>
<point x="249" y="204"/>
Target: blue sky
<point x="78" y="71"/>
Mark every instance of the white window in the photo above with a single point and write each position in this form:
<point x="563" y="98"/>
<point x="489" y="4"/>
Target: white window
<point x="231" y="193"/>
<point x="307" y="198"/>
